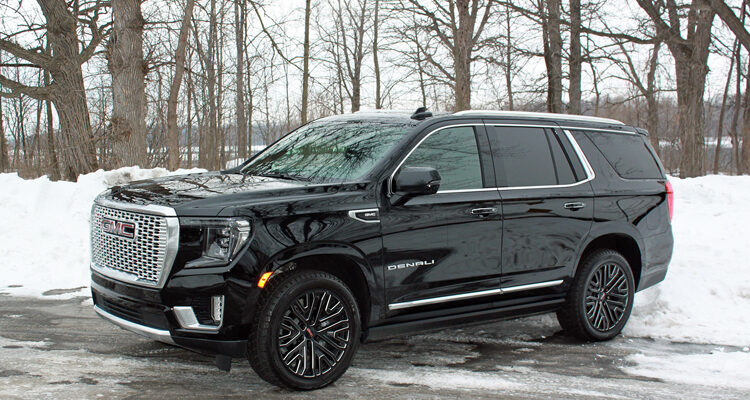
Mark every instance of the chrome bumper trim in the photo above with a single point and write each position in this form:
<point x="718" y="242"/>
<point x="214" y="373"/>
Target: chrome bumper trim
<point x="151" y="333"/>
<point x="187" y="320"/>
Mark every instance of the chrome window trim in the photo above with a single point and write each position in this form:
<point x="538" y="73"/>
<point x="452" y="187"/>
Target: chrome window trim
<point x="173" y="241"/>
<point x="152" y="333"/>
<point x="403" y="160"/>
<point x="471" y="295"/>
<point x="353" y="215"/>
<point x="590" y="174"/>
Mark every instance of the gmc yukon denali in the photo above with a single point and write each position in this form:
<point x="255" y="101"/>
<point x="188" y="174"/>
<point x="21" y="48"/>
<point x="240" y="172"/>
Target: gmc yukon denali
<point x="363" y="226"/>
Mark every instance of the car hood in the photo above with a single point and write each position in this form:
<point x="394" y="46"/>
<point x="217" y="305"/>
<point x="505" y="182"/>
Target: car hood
<point x="207" y="193"/>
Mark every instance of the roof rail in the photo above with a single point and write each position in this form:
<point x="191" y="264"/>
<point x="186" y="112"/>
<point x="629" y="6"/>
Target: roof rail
<point x="541" y="115"/>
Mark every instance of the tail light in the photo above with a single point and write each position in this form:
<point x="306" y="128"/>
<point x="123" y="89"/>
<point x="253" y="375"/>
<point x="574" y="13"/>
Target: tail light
<point x="670" y="199"/>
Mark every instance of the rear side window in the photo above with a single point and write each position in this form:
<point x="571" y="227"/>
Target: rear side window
<point x="628" y="154"/>
<point x="532" y="157"/>
<point x="454" y="154"/>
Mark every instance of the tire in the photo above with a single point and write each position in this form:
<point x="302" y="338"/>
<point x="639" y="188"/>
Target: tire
<point x="593" y="313"/>
<point x="296" y="344"/>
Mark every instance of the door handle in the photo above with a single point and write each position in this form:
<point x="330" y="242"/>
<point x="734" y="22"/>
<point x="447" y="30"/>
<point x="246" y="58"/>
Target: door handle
<point x="574" y="205"/>
<point x="484" y="211"/>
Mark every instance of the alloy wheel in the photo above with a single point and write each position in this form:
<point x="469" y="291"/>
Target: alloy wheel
<point x="606" y="299"/>
<point x="315" y="333"/>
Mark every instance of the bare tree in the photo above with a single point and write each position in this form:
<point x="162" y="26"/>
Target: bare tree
<point x="722" y="111"/>
<point x="647" y="89"/>
<point x="66" y="90"/>
<point x="352" y="22"/>
<point x="173" y="136"/>
<point x="126" y="65"/>
<point x="459" y="25"/>
<point x="306" y="64"/>
<point x="574" y="64"/>
<point x="239" y="102"/>
<point x="375" y="29"/>
<point x="550" y="12"/>
<point x="690" y="58"/>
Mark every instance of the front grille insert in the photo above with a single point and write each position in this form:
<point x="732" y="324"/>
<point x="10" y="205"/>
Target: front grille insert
<point x="145" y="258"/>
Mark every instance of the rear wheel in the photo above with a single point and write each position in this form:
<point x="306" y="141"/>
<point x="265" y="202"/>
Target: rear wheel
<point x="306" y="331"/>
<point x="601" y="298"/>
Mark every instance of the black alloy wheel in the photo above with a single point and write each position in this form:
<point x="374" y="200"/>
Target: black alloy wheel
<point x="315" y="333"/>
<point x="600" y="298"/>
<point x="606" y="297"/>
<point x="305" y="331"/>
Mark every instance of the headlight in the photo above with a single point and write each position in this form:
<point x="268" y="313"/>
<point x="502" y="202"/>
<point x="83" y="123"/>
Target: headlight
<point x="215" y="241"/>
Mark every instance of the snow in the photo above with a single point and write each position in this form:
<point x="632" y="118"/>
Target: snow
<point x="706" y="295"/>
<point x="44" y="245"/>
<point x="44" y="241"/>
<point x="718" y="368"/>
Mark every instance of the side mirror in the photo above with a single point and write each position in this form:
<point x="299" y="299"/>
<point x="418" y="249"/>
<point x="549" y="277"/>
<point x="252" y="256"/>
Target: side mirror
<point x="416" y="181"/>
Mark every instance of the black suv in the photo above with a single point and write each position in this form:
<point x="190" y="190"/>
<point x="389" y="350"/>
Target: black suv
<point x="363" y="226"/>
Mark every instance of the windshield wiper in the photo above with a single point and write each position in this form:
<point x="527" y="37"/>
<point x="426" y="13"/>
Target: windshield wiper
<point x="281" y="175"/>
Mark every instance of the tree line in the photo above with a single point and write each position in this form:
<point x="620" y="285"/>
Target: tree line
<point x="88" y="84"/>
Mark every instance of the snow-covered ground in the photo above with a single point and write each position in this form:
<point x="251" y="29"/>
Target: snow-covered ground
<point x="44" y="245"/>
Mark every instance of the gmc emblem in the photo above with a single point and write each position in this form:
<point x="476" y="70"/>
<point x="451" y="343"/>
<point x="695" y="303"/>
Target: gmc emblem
<point x="118" y="228"/>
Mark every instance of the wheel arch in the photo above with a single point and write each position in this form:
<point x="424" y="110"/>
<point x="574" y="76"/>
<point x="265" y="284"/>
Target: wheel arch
<point x="627" y="244"/>
<point x="342" y="260"/>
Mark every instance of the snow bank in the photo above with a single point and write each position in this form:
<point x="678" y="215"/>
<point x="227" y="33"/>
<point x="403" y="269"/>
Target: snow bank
<point x="44" y="233"/>
<point x="718" y="368"/>
<point x="44" y="245"/>
<point x="706" y="296"/>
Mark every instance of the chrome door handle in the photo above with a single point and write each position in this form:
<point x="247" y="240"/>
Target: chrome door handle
<point x="575" y="205"/>
<point x="484" y="211"/>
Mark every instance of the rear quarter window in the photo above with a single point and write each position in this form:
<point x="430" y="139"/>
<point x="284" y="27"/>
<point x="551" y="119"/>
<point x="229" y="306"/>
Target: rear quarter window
<point x="628" y="154"/>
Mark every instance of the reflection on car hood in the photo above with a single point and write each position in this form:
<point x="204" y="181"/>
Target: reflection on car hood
<point x="198" y="190"/>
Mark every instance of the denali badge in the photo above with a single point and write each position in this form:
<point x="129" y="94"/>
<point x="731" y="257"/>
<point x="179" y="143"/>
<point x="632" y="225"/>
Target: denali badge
<point x="118" y="228"/>
<point x="411" y="265"/>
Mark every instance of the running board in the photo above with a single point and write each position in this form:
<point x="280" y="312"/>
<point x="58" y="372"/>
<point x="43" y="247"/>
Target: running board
<point x="463" y="319"/>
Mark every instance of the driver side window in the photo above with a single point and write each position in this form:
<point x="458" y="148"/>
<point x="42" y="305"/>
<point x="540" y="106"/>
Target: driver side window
<point x="454" y="154"/>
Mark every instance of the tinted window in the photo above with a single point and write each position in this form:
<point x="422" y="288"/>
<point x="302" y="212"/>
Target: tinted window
<point x="453" y="152"/>
<point x="628" y="155"/>
<point x="522" y="156"/>
<point x="327" y="151"/>
<point x="563" y="166"/>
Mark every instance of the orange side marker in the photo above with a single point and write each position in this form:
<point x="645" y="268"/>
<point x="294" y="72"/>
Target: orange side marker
<point x="264" y="279"/>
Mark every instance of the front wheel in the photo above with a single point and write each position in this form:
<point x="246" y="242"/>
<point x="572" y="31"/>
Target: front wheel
<point x="306" y="331"/>
<point x="601" y="298"/>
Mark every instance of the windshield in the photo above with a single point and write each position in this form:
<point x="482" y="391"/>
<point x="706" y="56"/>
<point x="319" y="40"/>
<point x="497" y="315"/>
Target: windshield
<point x="327" y="151"/>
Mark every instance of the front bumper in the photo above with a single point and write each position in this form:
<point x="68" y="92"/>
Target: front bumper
<point x="154" y="314"/>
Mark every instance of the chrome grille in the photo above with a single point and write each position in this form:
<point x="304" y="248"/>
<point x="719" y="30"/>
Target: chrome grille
<point x="142" y="259"/>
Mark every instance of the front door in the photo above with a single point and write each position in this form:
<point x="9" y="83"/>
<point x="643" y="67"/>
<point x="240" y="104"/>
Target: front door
<point x="547" y="205"/>
<point x="442" y="249"/>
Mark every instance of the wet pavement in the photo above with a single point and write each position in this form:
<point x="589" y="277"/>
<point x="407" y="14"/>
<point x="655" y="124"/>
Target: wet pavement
<point x="61" y="349"/>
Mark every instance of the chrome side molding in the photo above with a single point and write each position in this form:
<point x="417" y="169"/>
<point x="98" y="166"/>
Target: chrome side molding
<point x="471" y="295"/>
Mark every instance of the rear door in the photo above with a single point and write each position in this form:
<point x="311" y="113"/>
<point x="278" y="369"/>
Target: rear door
<point x="444" y="248"/>
<point x="547" y="202"/>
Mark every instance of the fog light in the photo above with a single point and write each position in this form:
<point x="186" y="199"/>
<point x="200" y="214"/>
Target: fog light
<point x="217" y="309"/>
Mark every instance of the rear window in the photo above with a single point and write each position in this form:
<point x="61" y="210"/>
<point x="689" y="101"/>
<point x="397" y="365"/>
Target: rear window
<point x="628" y="155"/>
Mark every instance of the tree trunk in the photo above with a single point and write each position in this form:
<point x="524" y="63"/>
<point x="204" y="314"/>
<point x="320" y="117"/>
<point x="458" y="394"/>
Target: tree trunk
<point x="239" y="100"/>
<point x="173" y="133"/>
<point x="574" y="91"/>
<point x="746" y="127"/>
<point x="376" y="26"/>
<point x="4" y="161"/>
<point x="553" y="54"/>
<point x="508" y="59"/>
<point x="53" y="167"/>
<point x="462" y="55"/>
<point x="126" y="64"/>
<point x="306" y="64"/>
<point x="652" y="119"/>
<point x="722" y="111"/>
